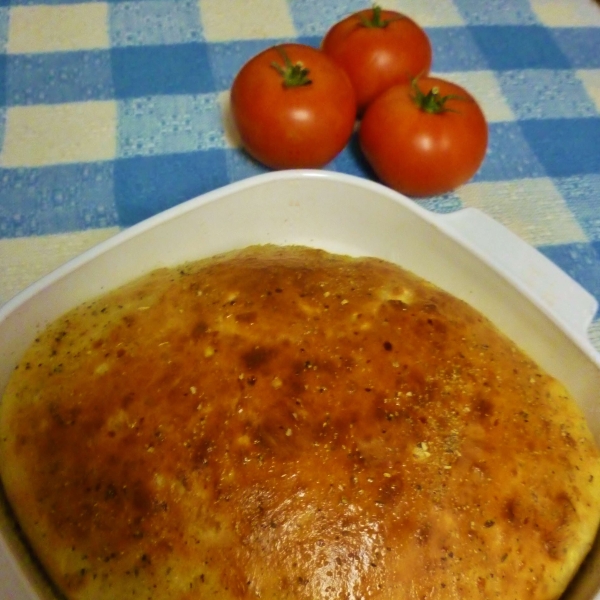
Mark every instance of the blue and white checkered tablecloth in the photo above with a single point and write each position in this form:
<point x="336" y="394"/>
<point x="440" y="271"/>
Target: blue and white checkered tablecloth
<point x="113" y="111"/>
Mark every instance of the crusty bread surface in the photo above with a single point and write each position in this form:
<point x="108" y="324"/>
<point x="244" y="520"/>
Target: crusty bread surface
<point x="284" y="423"/>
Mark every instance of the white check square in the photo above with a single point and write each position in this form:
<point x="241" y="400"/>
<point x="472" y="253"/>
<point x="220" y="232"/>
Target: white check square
<point x="532" y="208"/>
<point x="222" y="23"/>
<point x="441" y="13"/>
<point x="59" y="133"/>
<point x="591" y="83"/>
<point x="58" y="28"/>
<point x="567" y="13"/>
<point x="484" y="87"/>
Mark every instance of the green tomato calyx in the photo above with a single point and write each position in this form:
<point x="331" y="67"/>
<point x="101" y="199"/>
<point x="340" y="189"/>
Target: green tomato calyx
<point x="432" y="102"/>
<point x="376" y="22"/>
<point x="292" y="75"/>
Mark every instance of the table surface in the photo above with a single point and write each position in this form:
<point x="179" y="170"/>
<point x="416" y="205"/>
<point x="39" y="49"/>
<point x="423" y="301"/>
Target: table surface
<point x="113" y="111"/>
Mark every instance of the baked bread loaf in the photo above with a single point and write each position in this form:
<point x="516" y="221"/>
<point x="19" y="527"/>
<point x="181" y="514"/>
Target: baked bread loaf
<point x="283" y="423"/>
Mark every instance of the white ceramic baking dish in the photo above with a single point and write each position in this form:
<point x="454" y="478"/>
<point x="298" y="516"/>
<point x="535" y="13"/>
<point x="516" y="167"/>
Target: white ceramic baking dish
<point x="466" y="253"/>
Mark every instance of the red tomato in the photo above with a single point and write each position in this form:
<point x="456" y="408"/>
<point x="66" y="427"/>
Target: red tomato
<point x="293" y="107"/>
<point x="424" y="138"/>
<point x="378" y="48"/>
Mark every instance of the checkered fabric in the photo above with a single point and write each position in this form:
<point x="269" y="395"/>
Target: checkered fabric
<point x="113" y="111"/>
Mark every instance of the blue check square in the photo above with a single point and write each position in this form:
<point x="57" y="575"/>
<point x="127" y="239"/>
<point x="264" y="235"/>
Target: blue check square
<point x="580" y="193"/>
<point x="240" y="165"/>
<point x="3" y="24"/>
<point x="496" y="12"/>
<point x="2" y="81"/>
<point x="579" y="260"/>
<point x="516" y="47"/>
<point x="577" y="152"/>
<point x="545" y="94"/>
<point x="352" y="161"/>
<point x="51" y="2"/>
<point x="227" y="58"/>
<point x="155" y="125"/>
<point x="56" y="199"/>
<point x="151" y="22"/>
<point x="148" y="70"/>
<point x="508" y="156"/>
<point x="145" y="186"/>
<point x="315" y="18"/>
<point x="455" y="49"/>
<point x="2" y="124"/>
<point x="581" y="45"/>
<point x="58" y="77"/>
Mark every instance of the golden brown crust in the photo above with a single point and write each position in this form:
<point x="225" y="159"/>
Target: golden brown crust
<point x="283" y="423"/>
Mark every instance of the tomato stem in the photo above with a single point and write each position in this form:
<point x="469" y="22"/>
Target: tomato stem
<point x="376" y="21"/>
<point x="432" y="102"/>
<point x="293" y="75"/>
